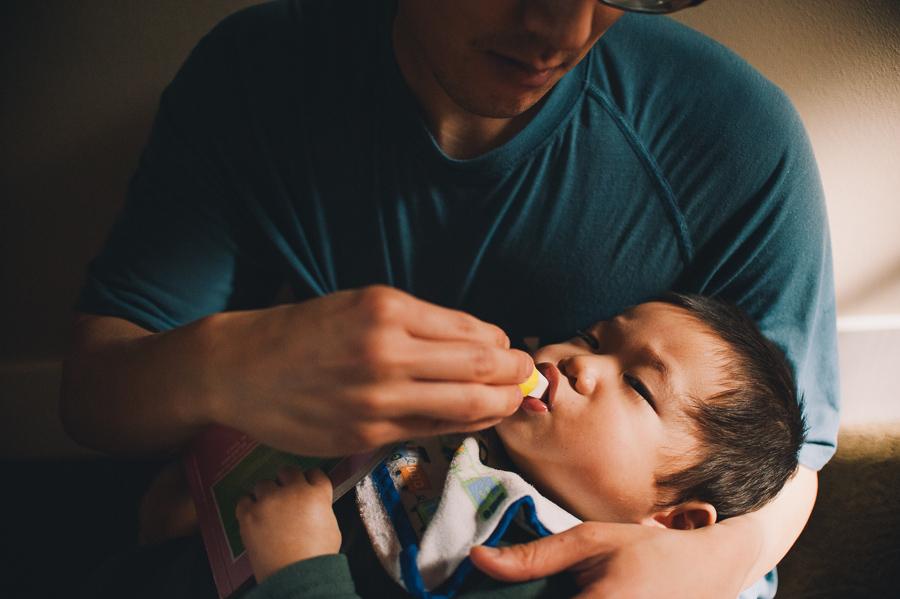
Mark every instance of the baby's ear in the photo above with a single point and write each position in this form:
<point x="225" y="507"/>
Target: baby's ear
<point x="691" y="515"/>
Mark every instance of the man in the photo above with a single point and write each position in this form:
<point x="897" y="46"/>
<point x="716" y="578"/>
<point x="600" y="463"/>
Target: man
<point x="437" y="148"/>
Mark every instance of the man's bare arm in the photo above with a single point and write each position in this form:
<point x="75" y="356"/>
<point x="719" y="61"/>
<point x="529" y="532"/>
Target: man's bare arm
<point x="340" y="373"/>
<point x="778" y="524"/>
<point x="128" y="391"/>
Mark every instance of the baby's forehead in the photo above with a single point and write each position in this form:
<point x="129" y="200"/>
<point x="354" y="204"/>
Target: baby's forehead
<point x="660" y="309"/>
<point x="693" y="343"/>
<point x="649" y="316"/>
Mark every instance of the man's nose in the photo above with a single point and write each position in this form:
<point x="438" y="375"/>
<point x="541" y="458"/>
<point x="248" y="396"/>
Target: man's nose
<point x="565" y="25"/>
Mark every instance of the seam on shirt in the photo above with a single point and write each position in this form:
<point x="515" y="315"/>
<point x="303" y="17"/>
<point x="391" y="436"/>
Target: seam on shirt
<point x="685" y="247"/>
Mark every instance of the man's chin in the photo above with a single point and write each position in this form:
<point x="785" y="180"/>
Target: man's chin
<point x="504" y="104"/>
<point x="504" y="110"/>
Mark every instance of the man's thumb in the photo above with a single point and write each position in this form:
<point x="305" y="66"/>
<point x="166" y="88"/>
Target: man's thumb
<point x="528" y="561"/>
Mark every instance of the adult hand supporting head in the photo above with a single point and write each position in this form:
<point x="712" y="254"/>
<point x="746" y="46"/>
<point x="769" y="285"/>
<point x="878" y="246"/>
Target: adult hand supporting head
<point x="610" y="560"/>
<point x="337" y="374"/>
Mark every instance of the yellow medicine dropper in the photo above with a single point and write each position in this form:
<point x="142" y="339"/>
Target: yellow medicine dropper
<point x="535" y="385"/>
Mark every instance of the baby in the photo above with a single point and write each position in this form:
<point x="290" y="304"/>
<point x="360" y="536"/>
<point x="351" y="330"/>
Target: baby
<point x="677" y="413"/>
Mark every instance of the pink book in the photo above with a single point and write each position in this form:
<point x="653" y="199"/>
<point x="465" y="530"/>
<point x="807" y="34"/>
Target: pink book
<point x="222" y="465"/>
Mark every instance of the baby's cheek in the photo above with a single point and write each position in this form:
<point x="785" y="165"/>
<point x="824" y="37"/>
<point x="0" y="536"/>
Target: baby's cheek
<point x="513" y="439"/>
<point x="520" y="440"/>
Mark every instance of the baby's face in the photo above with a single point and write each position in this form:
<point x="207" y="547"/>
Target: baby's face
<point x="613" y="418"/>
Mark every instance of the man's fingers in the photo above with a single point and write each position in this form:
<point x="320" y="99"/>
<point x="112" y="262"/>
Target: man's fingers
<point x="379" y="304"/>
<point x="449" y="402"/>
<point x="429" y="427"/>
<point x="464" y="361"/>
<point x="429" y="321"/>
<point x="372" y="418"/>
<point x="538" y="559"/>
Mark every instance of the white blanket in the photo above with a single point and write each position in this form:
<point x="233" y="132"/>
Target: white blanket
<point x="433" y="499"/>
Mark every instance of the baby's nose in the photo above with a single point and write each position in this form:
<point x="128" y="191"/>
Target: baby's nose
<point x="582" y="372"/>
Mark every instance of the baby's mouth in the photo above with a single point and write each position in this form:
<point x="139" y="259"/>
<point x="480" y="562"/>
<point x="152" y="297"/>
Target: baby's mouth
<point x="540" y="405"/>
<point x="535" y="405"/>
<point x="552" y="374"/>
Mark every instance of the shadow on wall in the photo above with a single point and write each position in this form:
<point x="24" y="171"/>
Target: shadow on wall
<point x="65" y="198"/>
<point x="81" y="82"/>
<point x="884" y="284"/>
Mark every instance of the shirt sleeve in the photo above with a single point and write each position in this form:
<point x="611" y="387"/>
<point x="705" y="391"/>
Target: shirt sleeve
<point x="186" y="244"/>
<point x="324" y="577"/>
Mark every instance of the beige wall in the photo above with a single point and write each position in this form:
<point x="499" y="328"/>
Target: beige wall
<point x="79" y="82"/>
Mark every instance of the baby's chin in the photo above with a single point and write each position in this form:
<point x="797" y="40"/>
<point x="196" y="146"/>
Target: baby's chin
<point x="511" y="428"/>
<point x="586" y="505"/>
<point x="522" y="433"/>
<point x="501" y="431"/>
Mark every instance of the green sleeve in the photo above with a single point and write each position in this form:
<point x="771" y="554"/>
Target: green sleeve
<point x="323" y="577"/>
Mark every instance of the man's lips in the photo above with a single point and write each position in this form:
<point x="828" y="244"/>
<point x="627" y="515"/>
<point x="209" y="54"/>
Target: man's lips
<point x="522" y="73"/>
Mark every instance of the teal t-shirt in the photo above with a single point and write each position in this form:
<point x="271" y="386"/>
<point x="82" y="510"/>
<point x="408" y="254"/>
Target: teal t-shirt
<point x="288" y="150"/>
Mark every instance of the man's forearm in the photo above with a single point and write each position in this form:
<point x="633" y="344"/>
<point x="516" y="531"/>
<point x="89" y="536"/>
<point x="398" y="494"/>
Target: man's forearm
<point x="771" y="531"/>
<point x="346" y="372"/>
<point x="128" y="391"/>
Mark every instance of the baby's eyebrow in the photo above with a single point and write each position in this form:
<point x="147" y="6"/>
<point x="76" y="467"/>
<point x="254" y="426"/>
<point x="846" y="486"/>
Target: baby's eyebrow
<point x="646" y="353"/>
<point x="655" y="362"/>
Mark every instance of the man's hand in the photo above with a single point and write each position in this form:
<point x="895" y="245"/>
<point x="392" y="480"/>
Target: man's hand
<point x="287" y="520"/>
<point x="609" y="561"/>
<point x="612" y="561"/>
<point x="337" y="374"/>
<point x="356" y="369"/>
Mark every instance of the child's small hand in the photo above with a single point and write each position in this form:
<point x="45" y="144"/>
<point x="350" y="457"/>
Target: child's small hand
<point x="287" y="520"/>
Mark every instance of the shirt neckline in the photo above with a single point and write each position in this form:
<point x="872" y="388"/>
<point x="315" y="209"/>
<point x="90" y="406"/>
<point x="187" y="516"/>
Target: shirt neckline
<point x="404" y="107"/>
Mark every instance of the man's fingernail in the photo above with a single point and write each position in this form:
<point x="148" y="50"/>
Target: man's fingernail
<point x="490" y="550"/>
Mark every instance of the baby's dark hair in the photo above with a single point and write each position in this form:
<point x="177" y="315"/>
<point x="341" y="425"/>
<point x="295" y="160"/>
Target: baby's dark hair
<point x="750" y="434"/>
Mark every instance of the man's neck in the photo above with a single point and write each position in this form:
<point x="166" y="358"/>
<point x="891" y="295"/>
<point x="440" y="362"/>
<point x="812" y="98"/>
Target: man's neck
<point x="460" y="134"/>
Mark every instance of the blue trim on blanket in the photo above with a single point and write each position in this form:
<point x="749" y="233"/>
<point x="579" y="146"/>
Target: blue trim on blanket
<point x="409" y="541"/>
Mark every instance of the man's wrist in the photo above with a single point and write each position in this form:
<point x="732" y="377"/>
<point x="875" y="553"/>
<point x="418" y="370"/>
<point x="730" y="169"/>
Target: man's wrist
<point x="183" y="360"/>
<point x="729" y="552"/>
<point x="740" y="545"/>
